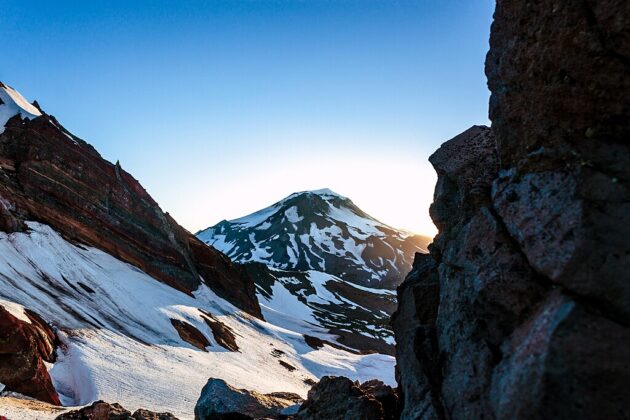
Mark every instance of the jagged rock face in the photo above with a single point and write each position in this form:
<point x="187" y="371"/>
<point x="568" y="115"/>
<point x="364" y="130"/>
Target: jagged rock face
<point x="101" y="410"/>
<point x="340" y="398"/>
<point x="559" y="76"/>
<point x="219" y="400"/>
<point x="558" y="73"/>
<point x="51" y="176"/>
<point x="522" y="308"/>
<point x="25" y="344"/>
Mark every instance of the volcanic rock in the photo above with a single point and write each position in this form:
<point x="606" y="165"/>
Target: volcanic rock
<point x="340" y="398"/>
<point x="521" y="310"/>
<point x="101" y="410"/>
<point x="24" y="347"/>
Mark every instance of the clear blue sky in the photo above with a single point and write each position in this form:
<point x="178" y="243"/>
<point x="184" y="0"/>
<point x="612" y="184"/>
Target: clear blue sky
<point x="222" y="107"/>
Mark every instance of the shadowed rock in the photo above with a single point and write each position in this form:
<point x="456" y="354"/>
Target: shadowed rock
<point x="219" y="400"/>
<point x="340" y="398"/>
<point x="522" y="309"/>
<point x="24" y="347"/>
<point x="101" y="410"/>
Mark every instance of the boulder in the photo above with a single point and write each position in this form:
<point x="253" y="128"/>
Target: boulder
<point x="340" y="398"/>
<point x="101" y="410"/>
<point x="219" y="400"/>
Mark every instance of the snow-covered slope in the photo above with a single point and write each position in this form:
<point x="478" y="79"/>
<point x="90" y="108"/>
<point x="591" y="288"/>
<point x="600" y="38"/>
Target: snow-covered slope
<point x="320" y="230"/>
<point x="119" y="343"/>
<point x="13" y="103"/>
<point x="357" y="317"/>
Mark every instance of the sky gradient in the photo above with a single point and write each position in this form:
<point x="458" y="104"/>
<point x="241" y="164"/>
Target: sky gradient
<point x="221" y="108"/>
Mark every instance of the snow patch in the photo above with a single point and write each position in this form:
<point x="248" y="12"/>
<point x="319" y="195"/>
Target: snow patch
<point x="13" y="103"/>
<point x="16" y="310"/>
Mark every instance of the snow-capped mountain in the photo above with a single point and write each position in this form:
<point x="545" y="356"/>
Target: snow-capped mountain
<point x="316" y="257"/>
<point x="104" y="296"/>
<point x="320" y="230"/>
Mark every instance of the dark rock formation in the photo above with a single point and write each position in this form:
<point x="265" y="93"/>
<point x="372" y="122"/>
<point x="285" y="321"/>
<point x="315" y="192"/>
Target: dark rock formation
<point x="51" y="176"/>
<point x="219" y="400"/>
<point x="221" y="332"/>
<point x="101" y="410"/>
<point x="24" y="347"/>
<point x="190" y="334"/>
<point x="522" y="309"/>
<point x="340" y="398"/>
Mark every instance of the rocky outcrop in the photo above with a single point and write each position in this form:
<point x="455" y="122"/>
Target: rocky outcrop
<point x="24" y="347"/>
<point x="340" y="398"/>
<point x="521" y="310"/>
<point x="101" y="410"/>
<point x="190" y="334"/>
<point x="223" y="334"/>
<point x="219" y="400"/>
<point x="51" y="176"/>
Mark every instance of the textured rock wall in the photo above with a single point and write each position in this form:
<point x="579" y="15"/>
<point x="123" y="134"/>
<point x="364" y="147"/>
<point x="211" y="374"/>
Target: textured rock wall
<point x="49" y="176"/>
<point x="522" y="309"/>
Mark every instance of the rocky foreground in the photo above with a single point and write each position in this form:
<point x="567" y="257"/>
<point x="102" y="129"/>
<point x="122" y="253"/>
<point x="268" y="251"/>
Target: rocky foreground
<point x="522" y="308"/>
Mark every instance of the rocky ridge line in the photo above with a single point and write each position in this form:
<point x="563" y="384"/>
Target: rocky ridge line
<point x="51" y="176"/>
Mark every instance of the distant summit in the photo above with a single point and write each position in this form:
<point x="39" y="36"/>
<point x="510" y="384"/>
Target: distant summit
<point x="320" y="230"/>
<point x="320" y="263"/>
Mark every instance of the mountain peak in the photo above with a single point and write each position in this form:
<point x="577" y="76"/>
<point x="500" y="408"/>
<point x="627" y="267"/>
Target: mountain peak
<point x="323" y="193"/>
<point x="326" y="191"/>
<point x="13" y="103"/>
<point x="319" y="230"/>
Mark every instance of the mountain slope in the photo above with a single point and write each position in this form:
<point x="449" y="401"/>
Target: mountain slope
<point x="118" y="338"/>
<point x="142" y="312"/>
<point x="51" y="176"/>
<point x="353" y="316"/>
<point x="323" y="231"/>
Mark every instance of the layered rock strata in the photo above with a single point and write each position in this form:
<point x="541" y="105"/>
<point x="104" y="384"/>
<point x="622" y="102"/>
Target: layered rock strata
<point x="49" y="175"/>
